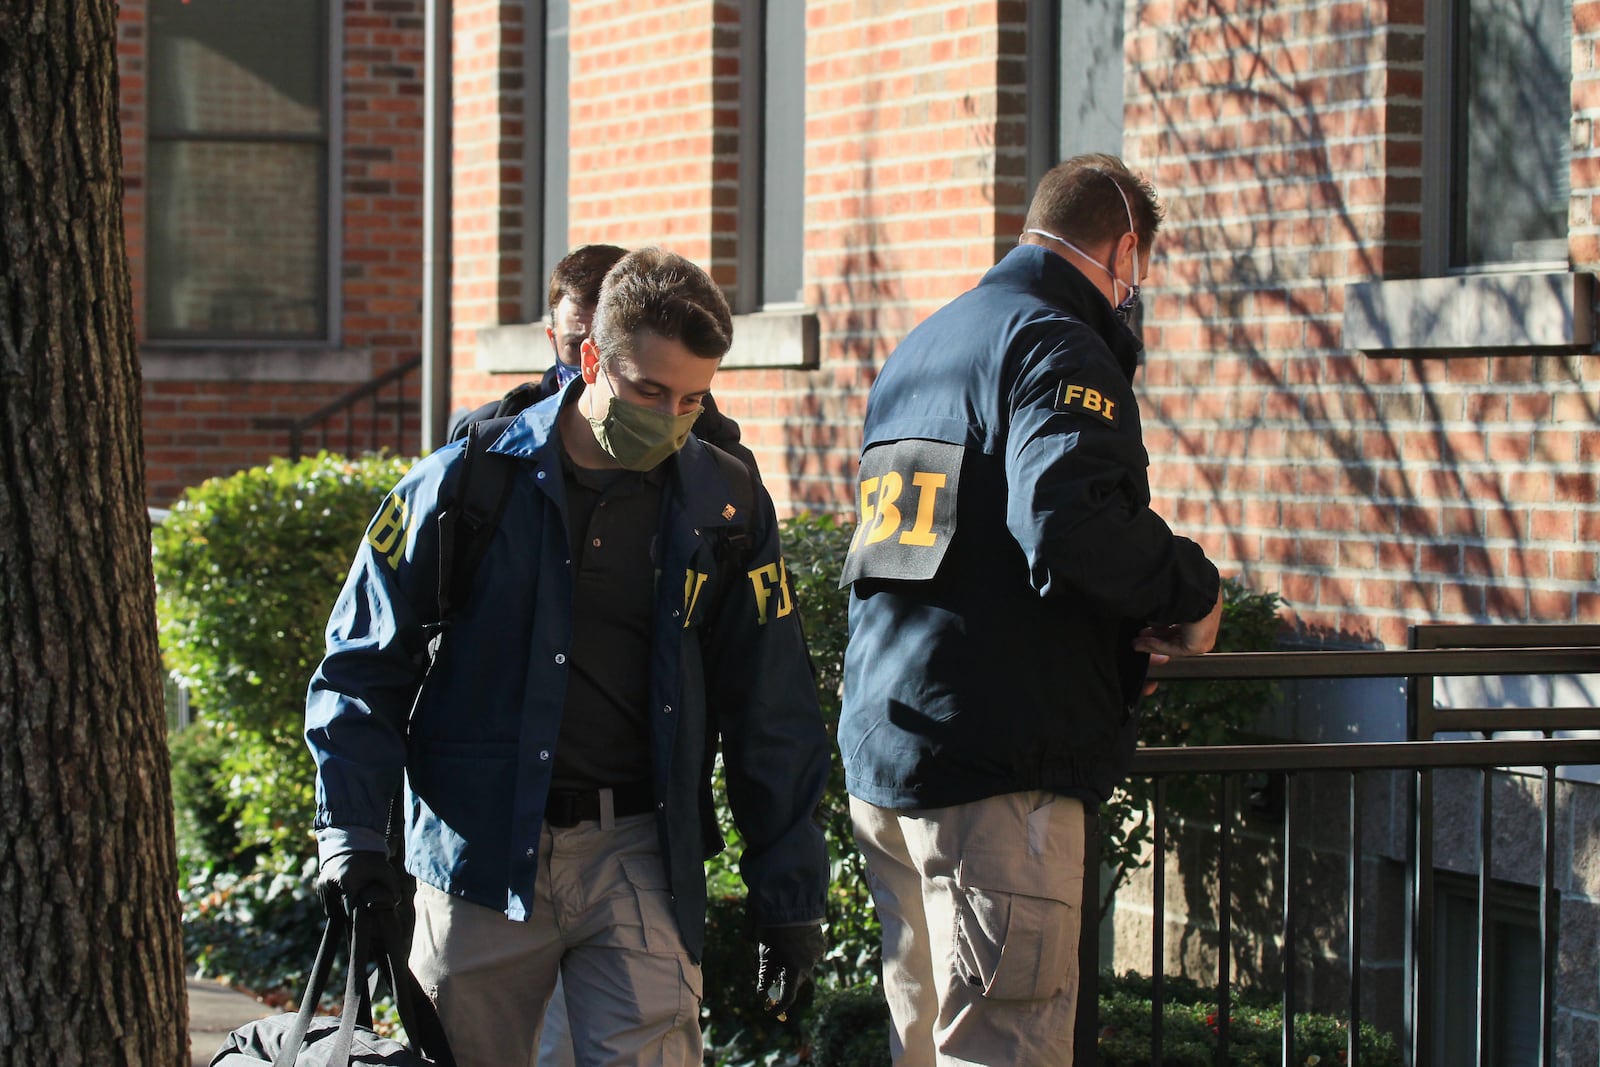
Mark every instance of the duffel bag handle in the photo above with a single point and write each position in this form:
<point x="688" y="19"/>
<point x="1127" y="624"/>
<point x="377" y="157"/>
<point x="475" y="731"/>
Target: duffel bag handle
<point x="417" y="1013"/>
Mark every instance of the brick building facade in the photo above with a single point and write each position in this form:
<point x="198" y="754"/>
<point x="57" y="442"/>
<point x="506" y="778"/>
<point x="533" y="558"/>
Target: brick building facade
<point x="1444" y="470"/>
<point x="1371" y="380"/>
<point x="1332" y="406"/>
<point x="272" y="166"/>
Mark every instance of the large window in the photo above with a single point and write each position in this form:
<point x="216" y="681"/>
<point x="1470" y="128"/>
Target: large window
<point x="238" y="242"/>
<point x="1500" y="104"/>
<point x="548" y="124"/>
<point x="1511" y="974"/>
<point x="772" y="158"/>
<point x="1074" y="90"/>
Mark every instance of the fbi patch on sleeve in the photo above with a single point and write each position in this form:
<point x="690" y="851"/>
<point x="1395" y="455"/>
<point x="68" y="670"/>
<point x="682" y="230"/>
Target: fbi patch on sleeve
<point x="1075" y="398"/>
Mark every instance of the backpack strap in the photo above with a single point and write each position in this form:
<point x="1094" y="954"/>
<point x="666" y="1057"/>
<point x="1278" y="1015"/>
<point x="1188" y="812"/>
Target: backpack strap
<point x="467" y="521"/>
<point x="738" y="543"/>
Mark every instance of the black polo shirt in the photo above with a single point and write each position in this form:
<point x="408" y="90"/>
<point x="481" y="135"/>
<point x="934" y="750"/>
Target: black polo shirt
<point x="612" y="516"/>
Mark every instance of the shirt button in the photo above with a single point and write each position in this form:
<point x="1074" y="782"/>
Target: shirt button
<point x="540" y="476"/>
<point x="561" y="657"/>
<point x="596" y="542"/>
<point x="661" y="805"/>
<point x="667" y="709"/>
<point x="544" y="753"/>
<point x="533" y="855"/>
<point x="676" y="613"/>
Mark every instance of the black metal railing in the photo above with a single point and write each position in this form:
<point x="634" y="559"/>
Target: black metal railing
<point x="366" y="418"/>
<point x="1437" y="652"/>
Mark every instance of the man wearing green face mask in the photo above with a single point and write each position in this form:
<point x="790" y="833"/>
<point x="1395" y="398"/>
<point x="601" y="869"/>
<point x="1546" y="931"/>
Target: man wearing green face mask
<point x="631" y="614"/>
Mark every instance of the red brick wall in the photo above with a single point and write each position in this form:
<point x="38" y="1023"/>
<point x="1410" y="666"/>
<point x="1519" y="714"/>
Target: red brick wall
<point x="489" y="101"/>
<point x="203" y="426"/>
<point x="647" y="138"/>
<point x="913" y="179"/>
<point x="1373" y="491"/>
<point x="913" y="183"/>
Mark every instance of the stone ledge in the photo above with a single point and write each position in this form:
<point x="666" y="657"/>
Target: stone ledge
<point x="1476" y="311"/>
<point x="255" y="364"/>
<point x="517" y="348"/>
<point x="781" y="337"/>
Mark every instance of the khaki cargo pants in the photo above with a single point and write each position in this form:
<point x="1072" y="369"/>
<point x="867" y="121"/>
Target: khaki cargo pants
<point x="602" y="919"/>
<point x="981" y="912"/>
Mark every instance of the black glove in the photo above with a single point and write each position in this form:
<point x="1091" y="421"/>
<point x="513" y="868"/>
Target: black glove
<point x="352" y="879"/>
<point x="785" y="959"/>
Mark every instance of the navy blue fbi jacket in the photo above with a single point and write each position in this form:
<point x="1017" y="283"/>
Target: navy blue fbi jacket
<point x="1006" y="553"/>
<point x="728" y="663"/>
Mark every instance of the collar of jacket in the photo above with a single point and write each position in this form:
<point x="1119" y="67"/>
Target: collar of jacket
<point x="693" y="475"/>
<point x="1052" y="278"/>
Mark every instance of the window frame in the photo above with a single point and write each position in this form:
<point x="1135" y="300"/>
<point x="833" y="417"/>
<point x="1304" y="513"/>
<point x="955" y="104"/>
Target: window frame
<point x="1444" y="45"/>
<point x="1494" y="308"/>
<point x="776" y="333"/>
<point x="330" y="210"/>
<point x="544" y="144"/>
<point x="1053" y="59"/>
<point x="1511" y="909"/>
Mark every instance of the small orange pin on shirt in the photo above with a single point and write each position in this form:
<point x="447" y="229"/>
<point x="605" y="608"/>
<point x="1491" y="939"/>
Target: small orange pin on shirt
<point x="729" y="511"/>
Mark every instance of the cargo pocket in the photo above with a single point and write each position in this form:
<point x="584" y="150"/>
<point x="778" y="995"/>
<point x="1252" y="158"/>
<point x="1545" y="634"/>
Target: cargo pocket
<point x="667" y="984"/>
<point x="1016" y="926"/>
<point x="648" y="877"/>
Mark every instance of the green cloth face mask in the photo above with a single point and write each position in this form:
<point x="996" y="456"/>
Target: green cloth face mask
<point x="637" y="437"/>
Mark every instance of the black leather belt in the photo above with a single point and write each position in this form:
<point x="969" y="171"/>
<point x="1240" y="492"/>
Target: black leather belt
<point x="569" y="807"/>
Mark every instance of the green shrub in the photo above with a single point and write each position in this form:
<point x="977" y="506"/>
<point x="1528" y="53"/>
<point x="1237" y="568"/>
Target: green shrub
<point x="849" y="1028"/>
<point x="208" y="839"/>
<point x="1189" y="1030"/>
<point x="247" y="568"/>
<point x="257" y="930"/>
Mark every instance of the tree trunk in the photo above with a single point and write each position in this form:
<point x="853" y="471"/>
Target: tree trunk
<point x="91" y="962"/>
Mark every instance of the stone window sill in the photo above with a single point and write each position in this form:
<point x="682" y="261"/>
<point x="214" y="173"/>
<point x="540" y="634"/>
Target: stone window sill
<point x="1484" y="312"/>
<point x="252" y="363"/>
<point x="778" y="337"/>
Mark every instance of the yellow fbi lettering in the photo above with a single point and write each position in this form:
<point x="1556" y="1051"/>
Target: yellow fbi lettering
<point x="881" y="514"/>
<point x="906" y="511"/>
<point x="774" y="576"/>
<point x="1073" y="397"/>
<point x="387" y="534"/>
<point x="693" y="582"/>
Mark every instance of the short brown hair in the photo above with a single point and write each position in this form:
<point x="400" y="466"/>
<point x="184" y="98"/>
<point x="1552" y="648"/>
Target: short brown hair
<point x="666" y="294"/>
<point x="580" y="273"/>
<point x="1079" y="200"/>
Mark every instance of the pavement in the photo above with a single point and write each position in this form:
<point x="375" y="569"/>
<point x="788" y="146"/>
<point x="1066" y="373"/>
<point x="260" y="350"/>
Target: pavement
<point x="214" y="1011"/>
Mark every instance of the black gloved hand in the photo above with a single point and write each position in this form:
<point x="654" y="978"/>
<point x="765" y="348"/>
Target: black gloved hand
<point x="352" y="879"/>
<point x="785" y="959"/>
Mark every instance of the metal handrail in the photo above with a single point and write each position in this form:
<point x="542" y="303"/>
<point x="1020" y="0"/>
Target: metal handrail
<point x="1367" y="756"/>
<point x="1487" y="651"/>
<point x="1383" y="663"/>
<point x="320" y="419"/>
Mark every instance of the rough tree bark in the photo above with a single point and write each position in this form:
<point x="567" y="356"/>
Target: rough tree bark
<point x="91" y="967"/>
